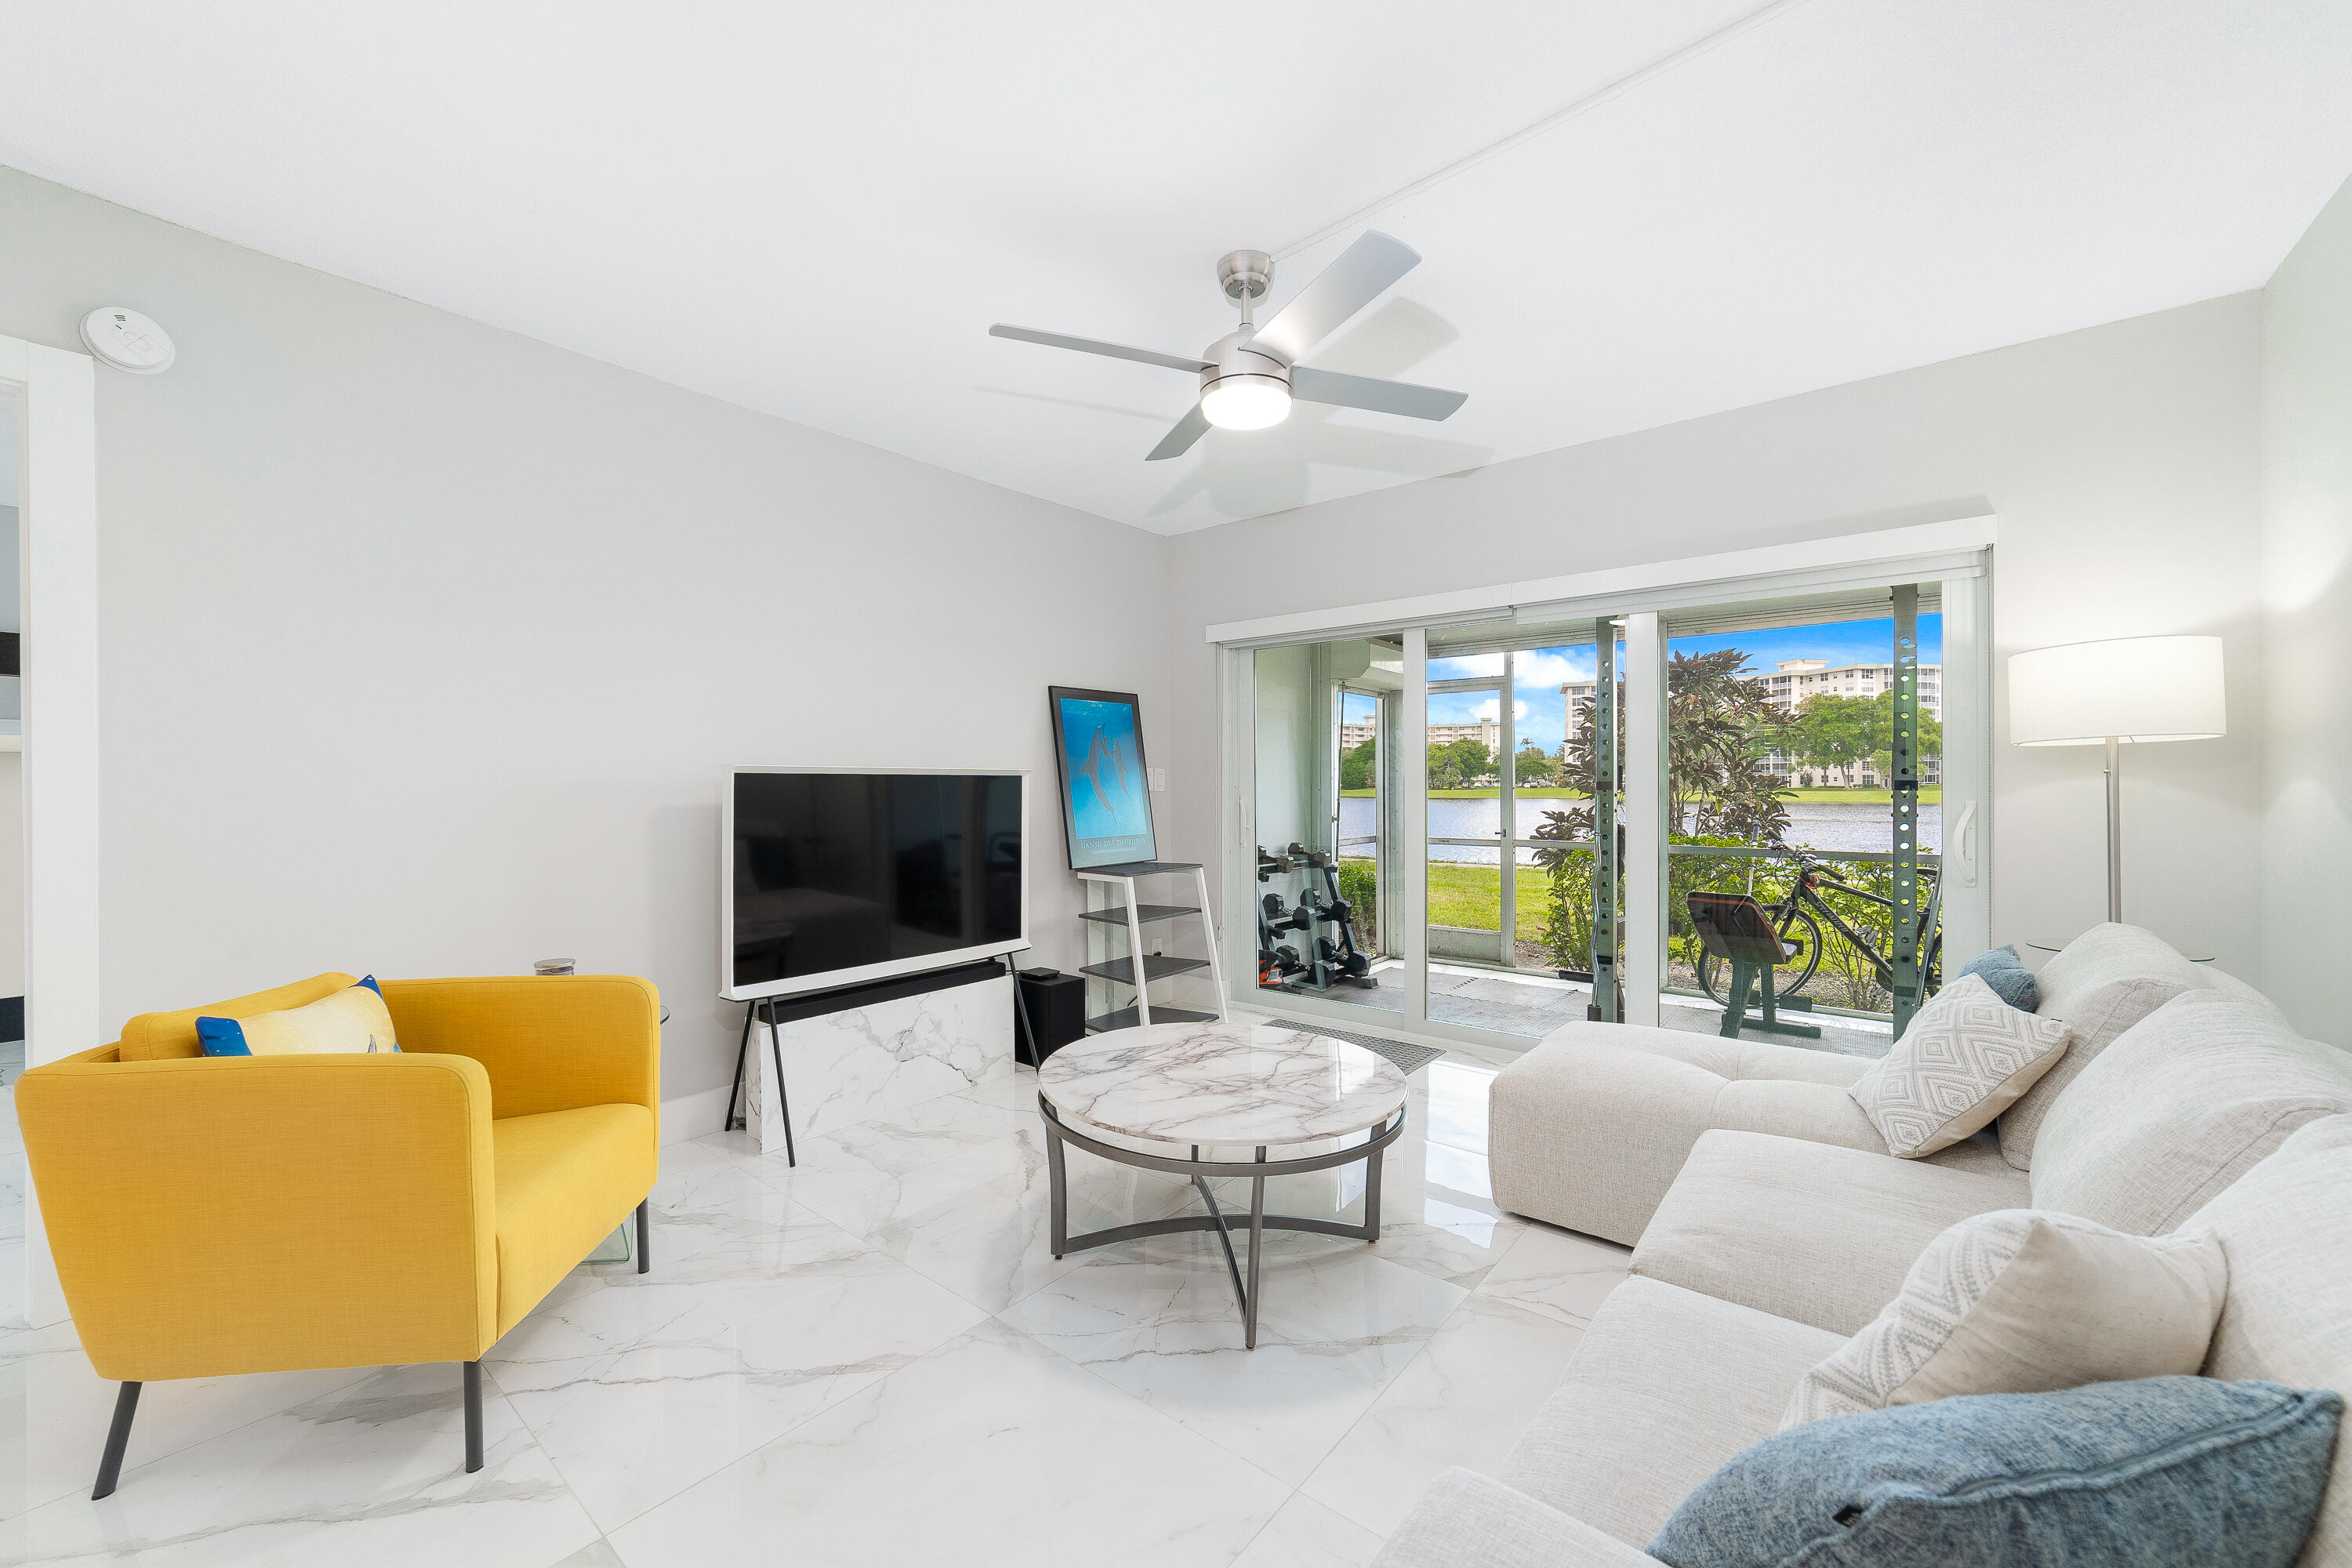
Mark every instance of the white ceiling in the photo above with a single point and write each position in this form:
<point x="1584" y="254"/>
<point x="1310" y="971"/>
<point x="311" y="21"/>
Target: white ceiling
<point x="818" y="210"/>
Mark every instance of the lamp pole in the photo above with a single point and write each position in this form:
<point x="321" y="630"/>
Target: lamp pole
<point x="2114" y="831"/>
<point x="2149" y="689"/>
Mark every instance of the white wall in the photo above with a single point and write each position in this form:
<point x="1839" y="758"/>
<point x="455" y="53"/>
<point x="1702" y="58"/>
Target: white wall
<point x="424" y="645"/>
<point x="2307" y="626"/>
<point x="2122" y="461"/>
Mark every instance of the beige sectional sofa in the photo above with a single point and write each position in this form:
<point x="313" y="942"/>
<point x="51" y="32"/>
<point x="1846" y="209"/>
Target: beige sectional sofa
<point x="1589" y="1129"/>
<point x="1769" y="1225"/>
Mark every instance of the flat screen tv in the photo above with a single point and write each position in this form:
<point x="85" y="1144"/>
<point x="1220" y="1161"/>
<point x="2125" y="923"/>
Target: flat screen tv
<point x="830" y="878"/>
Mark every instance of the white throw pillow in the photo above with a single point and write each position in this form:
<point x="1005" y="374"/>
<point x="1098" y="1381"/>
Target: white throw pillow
<point x="2027" y="1301"/>
<point x="1967" y="1057"/>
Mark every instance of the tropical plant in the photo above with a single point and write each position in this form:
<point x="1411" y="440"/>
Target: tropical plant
<point x="1360" y="886"/>
<point x="1719" y="728"/>
<point x="1847" y="972"/>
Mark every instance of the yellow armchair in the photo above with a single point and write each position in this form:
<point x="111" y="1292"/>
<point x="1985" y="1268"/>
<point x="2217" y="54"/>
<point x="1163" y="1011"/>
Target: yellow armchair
<point x="218" y="1215"/>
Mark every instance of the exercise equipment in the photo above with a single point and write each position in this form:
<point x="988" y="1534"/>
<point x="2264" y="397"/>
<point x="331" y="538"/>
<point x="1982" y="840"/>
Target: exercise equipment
<point x="1277" y="964"/>
<point x="1326" y="960"/>
<point x="1735" y="928"/>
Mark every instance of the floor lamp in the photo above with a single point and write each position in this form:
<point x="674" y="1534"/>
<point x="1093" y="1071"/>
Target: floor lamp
<point x="2123" y="690"/>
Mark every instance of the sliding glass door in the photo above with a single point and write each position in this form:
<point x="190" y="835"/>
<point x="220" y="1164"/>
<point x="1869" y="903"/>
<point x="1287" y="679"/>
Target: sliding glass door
<point x="1803" y="812"/>
<point x="1325" y="726"/>
<point x="1722" y="817"/>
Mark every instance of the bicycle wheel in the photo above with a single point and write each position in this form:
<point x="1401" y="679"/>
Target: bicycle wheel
<point x="1714" y="975"/>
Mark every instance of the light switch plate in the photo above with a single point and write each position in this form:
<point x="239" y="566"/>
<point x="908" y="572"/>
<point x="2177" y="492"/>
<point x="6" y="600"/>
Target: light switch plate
<point x="1158" y="781"/>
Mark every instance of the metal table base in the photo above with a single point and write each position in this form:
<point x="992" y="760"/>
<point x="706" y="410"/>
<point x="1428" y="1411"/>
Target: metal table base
<point x="1255" y="1171"/>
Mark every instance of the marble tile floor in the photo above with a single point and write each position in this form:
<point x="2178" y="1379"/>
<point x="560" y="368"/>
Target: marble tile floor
<point x="873" y="1358"/>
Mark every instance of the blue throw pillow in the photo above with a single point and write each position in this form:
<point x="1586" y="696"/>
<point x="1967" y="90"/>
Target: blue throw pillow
<point x="2006" y="973"/>
<point x="2161" y="1472"/>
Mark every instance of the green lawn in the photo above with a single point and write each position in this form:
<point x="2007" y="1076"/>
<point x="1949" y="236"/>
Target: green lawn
<point x="1471" y="898"/>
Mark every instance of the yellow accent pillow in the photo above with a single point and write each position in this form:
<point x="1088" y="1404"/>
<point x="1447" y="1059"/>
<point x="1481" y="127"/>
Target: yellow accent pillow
<point x="353" y="1019"/>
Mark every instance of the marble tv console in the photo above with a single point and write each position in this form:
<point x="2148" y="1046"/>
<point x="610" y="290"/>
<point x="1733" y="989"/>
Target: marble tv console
<point x="856" y="1055"/>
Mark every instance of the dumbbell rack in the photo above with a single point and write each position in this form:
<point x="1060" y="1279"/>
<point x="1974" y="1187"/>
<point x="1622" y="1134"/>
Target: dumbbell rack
<point x="1114" y="904"/>
<point x="1326" y="965"/>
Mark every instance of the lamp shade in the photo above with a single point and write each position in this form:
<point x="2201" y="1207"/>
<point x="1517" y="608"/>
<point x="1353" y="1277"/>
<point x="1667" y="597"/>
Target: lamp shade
<point x="2134" y="688"/>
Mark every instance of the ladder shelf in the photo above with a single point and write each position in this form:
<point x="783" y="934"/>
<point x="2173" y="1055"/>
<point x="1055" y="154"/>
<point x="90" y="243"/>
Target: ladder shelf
<point x="1114" y="904"/>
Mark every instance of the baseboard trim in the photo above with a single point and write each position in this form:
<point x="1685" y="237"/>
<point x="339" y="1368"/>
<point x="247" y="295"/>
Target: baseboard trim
<point x="694" y="1115"/>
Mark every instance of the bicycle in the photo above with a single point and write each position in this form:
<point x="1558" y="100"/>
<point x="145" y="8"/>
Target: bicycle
<point x="1793" y="921"/>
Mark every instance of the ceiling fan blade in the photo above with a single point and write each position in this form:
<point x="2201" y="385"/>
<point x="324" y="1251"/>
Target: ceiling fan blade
<point x="1090" y="346"/>
<point x="1337" y="292"/>
<point x="1371" y="392"/>
<point x="1178" y="441"/>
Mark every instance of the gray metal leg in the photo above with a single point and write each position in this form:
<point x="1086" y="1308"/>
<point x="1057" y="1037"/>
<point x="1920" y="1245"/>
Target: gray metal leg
<point x="1245" y="1289"/>
<point x="1058" y="1182"/>
<point x="644" y="1236"/>
<point x="473" y="1416"/>
<point x="1257" y="1245"/>
<point x="784" y="1103"/>
<point x="1224" y="1238"/>
<point x="118" y="1438"/>
<point x="742" y="1054"/>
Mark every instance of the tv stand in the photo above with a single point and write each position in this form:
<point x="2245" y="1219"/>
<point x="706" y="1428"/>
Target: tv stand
<point x="866" y="1051"/>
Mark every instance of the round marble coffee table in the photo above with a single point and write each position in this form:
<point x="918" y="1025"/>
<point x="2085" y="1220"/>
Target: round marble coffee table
<point x="1223" y="1084"/>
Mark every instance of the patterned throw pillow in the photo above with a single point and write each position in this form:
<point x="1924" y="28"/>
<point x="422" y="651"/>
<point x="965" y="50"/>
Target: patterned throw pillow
<point x="353" y="1019"/>
<point x="2025" y="1301"/>
<point x="2006" y="973"/>
<point x="1967" y="1057"/>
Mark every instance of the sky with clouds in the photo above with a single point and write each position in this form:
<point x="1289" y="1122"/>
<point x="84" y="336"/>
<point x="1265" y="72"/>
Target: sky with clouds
<point x="1539" y="712"/>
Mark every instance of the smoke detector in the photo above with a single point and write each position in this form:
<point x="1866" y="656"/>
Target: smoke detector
<point x="128" y="341"/>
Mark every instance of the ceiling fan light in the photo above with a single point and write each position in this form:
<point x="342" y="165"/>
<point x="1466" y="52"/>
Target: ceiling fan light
<point x="1246" y="403"/>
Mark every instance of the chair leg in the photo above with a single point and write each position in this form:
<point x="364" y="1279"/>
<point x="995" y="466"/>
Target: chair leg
<point x="118" y="1438"/>
<point x="473" y="1416"/>
<point x="645" y="1237"/>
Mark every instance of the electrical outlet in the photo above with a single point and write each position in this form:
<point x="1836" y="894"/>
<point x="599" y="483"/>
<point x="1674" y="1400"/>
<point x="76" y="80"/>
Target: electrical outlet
<point x="1158" y="780"/>
<point x="1159" y="946"/>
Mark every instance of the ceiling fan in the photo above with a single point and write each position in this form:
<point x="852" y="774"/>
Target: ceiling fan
<point x="1249" y="377"/>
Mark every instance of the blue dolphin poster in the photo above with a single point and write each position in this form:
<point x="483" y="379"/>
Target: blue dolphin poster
<point x="1106" y="789"/>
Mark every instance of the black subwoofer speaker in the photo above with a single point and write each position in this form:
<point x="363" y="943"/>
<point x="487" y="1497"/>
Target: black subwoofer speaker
<point x="1056" y="1006"/>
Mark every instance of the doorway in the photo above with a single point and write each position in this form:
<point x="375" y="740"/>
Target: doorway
<point x="13" y="1178"/>
<point x="48" y="410"/>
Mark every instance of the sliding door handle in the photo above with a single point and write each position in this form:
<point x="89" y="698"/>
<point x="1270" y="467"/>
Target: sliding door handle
<point x="1964" y="840"/>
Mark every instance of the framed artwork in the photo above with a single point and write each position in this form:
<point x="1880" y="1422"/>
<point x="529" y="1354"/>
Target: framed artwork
<point x="1106" y="791"/>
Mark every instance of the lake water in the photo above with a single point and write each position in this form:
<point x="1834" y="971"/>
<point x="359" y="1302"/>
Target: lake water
<point x="1815" y="827"/>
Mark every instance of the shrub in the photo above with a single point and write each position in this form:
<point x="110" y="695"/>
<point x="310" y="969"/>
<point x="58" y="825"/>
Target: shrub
<point x="1360" y="888"/>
